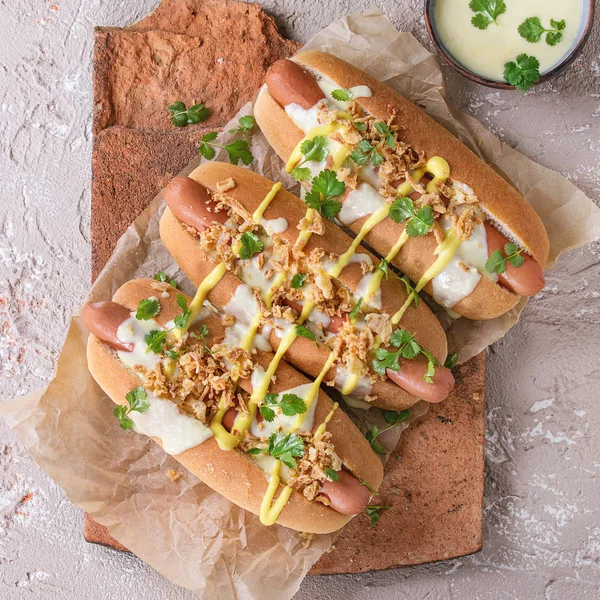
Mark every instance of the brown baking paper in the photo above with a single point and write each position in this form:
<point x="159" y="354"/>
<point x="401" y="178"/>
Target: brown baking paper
<point x="184" y="529"/>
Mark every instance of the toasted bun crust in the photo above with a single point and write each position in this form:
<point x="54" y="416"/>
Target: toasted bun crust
<point x="232" y="474"/>
<point x="499" y="199"/>
<point x="249" y="191"/>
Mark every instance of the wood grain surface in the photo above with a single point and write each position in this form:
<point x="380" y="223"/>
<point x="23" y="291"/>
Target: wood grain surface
<point x="434" y="479"/>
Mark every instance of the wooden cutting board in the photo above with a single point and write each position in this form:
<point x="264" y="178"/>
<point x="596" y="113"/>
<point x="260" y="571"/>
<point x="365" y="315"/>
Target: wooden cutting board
<point x="191" y="50"/>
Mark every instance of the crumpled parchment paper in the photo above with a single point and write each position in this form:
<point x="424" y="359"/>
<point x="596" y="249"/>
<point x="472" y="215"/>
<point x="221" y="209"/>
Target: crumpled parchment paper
<point x="184" y="529"/>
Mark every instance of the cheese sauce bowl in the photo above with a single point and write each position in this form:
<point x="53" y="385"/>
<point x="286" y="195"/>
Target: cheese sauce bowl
<point x="467" y="49"/>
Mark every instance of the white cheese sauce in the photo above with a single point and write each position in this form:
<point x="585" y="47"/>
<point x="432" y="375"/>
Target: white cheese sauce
<point x="133" y="331"/>
<point x="234" y="334"/>
<point x="354" y="403"/>
<point x="242" y="305"/>
<point x="486" y="51"/>
<point x="176" y="431"/>
<point x="361" y="202"/>
<point x="363" y="387"/>
<point x="363" y="288"/>
<point x="253" y="276"/>
<point x="283" y="422"/>
<point x="463" y="273"/>
<point x="272" y="226"/>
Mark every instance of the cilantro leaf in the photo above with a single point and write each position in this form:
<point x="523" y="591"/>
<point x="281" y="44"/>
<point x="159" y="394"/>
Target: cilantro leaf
<point x="239" y="150"/>
<point x="421" y="223"/>
<point x="137" y="401"/>
<point x="531" y="29"/>
<point x="300" y="173"/>
<point x="370" y="488"/>
<point x="155" y="340"/>
<point x="303" y="331"/>
<point x="291" y="405"/>
<point x="402" y="209"/>
<point x="174" y="356"/>
<point x="298" y="281"/>
<point x="410" y="289"/>
<point x="371" y="436"/>
<point x="366" y="152"/>
<point x="180" y="116"/>
<point x="356" y="309"/>
<point x="251" y="245"/>
<point x="409" y="348"/>
<point x="315" y="149"/>
<point x="331" y="474"/>
<point x="431" y="365"/>
<point x="342" y="95"/>
<point x="450" y="362"/>
<point x="162" y="277"/>
<point x="255" y="450"/>
<point x="384" y="266"/>
<point x="147" y="309"/>
<point x="325" y="187"/>
<point x="384" y="131"/>
<point x="393" y="417"/>
<point x="181" y="321"/>
<point x="523" y="73"/>
<point x="268" y="414"/>
<point x="373" y="512"/>
<point x="496" y="263"/>
<point x="488" y="12"/>
<point x="284" y="447"/>
<point x="245" y="124"/>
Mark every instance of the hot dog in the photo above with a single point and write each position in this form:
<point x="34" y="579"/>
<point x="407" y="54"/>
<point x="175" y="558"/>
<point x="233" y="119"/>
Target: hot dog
<point x="186" y="423"/>
<point x="394" y="151"/>
<point x="331" y="331"/>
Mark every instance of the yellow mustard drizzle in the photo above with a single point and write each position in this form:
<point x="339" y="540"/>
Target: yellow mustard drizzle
<point x="269" y="510"/>
<point x="260" y="211"/>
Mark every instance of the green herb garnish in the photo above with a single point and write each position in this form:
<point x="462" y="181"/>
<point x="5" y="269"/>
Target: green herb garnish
<point x="155" y="340"/>
<point x="409" y="288"/>
<point x="245" y="124"/>
<point x="181" y="321"/>
<point x="373" y="512"/>
<point x="532" y="30"/>
<point x="450" y="361"/>
<point x="298" y="281"/>
<point x="147" y="309"/>
<point x="523" y="73"/>
<point x="313" y="150"/>
<point x="303" y="331"/>
<point x="365" y="153"/>
<point x="342" y="95"/>
<point x="162" y="276"/>
<point x="180" y="116"/>
<point x="391" y="417"/>
<point x="325" y="187"/>
<point x="384" y="131"/>
<point x="251" y="245"/>
<point x="285" y="447"/>
<point x="236" y="150"/>
<point x="356" y="309"/>
<point x="137" y="401"/>
<point x="419" y="222"/>
<point x="331" y="474"/>
<point x="487" y="11"/>
<point x="384" y="267"/>
<point x="496" y="263"/>
<point x="290" y="405"/>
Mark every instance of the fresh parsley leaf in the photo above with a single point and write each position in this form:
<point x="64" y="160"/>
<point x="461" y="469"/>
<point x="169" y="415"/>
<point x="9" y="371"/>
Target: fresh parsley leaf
<point x="205" y="147"/>
<point x="300" y="173"/>
<point x="245" y="124"/>
<point x="431" y="365"/>
<point x="239" y="150"/>
<point x="305" y="332"/>
<point x="137" y="401"/>
<point x="162" y="277"/>
<point x="384" y="266"/>
<point x="419" y="222"/>
<point x="385" y="359"/>
<point x="496" y="263"/>
<point x="271" y="399"/>
<point x="342" y="95"/>
<point x="268" y="414"/>
<point x="450" y="362"/>
<point x="180" y="116"/>
<point x="181" y="321"/>
<point x="393" y="417"/>
<point x="315" y="149"/>
<point x="251" y="245"/>
<point x="410" y="289"/>
<point x="174" y="356"/>
<point x="147" y="309"/>
<point x="360" y="126"/>
<point x="298" y="281"/>
<point x="487" y="11"/>
<point x="331" y="474"/>
<point x="255" y="450"/>
<point x="285" y="447"/>
<point x="532" y="30"/>
<point x="356" y="309"/>
<point x="366" y="152"/>
<point x="523" y="73"/>
<point x="291" y="405"/>
<point x="401" y="339"/>
<point x="325" y="187"/>
<point x="384" y="131"/>
<point x="373" y="512"/>
<point x="371" y="436"/>
<point x="155" y="340"/>
<point x="371" y="489"/>
<point x="203" y="330"/>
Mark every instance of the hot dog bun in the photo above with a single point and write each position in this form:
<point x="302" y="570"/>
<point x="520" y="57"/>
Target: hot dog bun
<point x="232" y="474"/>
<point x="249" y="191"/>
<point x="503" y="205"/>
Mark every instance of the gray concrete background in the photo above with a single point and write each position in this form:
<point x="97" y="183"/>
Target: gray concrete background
<point x="542" y="532"/>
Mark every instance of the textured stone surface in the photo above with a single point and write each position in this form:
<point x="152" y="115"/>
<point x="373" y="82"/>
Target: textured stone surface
<point x="542" y="526"/>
